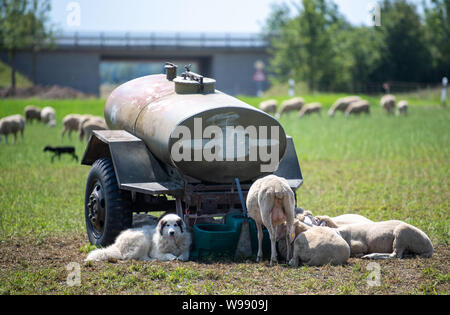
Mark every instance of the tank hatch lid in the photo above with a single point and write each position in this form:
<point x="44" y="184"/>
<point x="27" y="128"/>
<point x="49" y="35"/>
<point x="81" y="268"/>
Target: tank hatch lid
<point x="193" y="83"/>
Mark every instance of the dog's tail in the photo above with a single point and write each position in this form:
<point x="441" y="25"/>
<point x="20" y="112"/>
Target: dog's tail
<point x="104" y="254"/>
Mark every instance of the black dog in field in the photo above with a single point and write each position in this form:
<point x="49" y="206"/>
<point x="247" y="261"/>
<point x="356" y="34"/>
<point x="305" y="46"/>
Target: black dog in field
<point x="57" y="151"/>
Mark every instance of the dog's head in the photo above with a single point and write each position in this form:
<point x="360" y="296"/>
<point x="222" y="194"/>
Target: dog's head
<point x="47" y="148"/>
<point x="171" y="225"/>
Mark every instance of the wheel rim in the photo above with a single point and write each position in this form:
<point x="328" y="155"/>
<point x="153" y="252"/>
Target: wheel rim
<point x="96" y="209"/>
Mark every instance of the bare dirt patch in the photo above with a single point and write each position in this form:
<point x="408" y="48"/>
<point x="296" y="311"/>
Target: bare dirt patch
<point x="30" y="266"/>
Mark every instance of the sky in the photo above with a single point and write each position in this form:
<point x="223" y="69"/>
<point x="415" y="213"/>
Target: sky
<point x="209" y="16"/>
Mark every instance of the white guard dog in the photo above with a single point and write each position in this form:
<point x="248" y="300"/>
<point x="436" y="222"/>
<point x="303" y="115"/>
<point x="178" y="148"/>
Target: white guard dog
<point x="168" y="240"/>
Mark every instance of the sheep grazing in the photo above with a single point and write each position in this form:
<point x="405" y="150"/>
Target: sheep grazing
<point x="293" y="105"/>
<point x="315" y="245"/>
<point x="32" y="112"/>
<point x="309" y="109"/>
<point x="88" y="125"/>
<point x="342" y="103"/>
<point x="48" y="116"/>
<point x="358" y="107"/>
<point x="71" y="123"/>
<point x="388" y="103"/>
<point x="386" y="239"/>
<point x="271" y="201"/>
<point x="12" y="124"/>
<point x="402" y="108"/>
<point x="269" y="106"/>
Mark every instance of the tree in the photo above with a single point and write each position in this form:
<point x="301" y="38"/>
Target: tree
<point x="23" y="26"/>
<point x="437" y="18"/>
<point x="406" y="57"/>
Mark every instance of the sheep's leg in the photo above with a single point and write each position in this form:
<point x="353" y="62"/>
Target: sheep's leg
<point x="63" y="133"/>
<point x="15" y="137"/>
<point x="259" y="256"/>
<point x="21" y="133"/>
<point x="380" y="256"/>
<point x="273" y="248"/>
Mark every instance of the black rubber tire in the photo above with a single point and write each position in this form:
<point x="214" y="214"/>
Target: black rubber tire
<point x="116" y="214"/>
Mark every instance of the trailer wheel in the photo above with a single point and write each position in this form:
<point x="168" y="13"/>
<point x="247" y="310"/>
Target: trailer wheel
<point x="106" y="207"/>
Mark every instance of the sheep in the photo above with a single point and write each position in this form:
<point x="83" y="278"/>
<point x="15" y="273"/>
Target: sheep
<point x="294" y="104"/>
<point x="269" y="106"/>
<point x="385" y="239"/>
<point x="48" y="116"/>
<point x="309" y="109"/>
<point x="32" y="112"/>
<point x="12" y="124"/>
<point x="388" y="103"/>
<point x="358" y="107"/>
<point x="342" y="103"/>
<point x="315" y="245"/>
<point x="402" y="107"/>
<point x="71" y="123"/>
<point x="95" y="123"/>
<point x="271" y="201"/>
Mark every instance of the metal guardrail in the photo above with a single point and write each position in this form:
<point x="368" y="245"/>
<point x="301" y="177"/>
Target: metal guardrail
<point x="102" y="39"/>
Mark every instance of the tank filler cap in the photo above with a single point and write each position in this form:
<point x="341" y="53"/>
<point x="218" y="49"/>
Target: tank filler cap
<point x="193" y="83"/>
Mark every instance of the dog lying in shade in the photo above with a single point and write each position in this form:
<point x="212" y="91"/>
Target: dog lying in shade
<point x="58" y="151"/>
<point x="168" y="240"/>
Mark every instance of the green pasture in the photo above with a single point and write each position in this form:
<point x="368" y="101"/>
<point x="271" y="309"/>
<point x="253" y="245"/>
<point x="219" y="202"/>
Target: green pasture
<point x="383" y="167"/>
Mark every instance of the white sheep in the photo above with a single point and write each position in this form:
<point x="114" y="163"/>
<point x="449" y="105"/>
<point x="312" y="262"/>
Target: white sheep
<point x="358" y="107"/>
<point x="32" y="112"/>
<point x="269" y="106"/>
<point x="388" y="103"/>
<point x="271" y="202"/>
<point x="292" y="105"/>
<point x="12" y="124"/>
<point x="95" y="123"/>
<point x="71" y="123"/>
<point x="48" y="116"/>
<point x="314" y="245"/>
<point x="402" y="107"/>
<point x="342" y="103"/>
<point x="308" y="109"/>
<point x="386" y="239"/>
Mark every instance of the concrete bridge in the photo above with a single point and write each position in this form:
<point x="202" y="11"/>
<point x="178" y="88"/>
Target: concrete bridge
<point x="75" y="59"/>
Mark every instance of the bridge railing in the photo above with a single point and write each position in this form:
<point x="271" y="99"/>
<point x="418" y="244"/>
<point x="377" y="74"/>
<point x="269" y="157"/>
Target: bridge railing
<point x="103" y="39"/>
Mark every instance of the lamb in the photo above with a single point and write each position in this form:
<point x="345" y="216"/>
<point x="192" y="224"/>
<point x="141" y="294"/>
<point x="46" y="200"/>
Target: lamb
<point x="48" y="116"/>
<point x="95" y="123"/>
<point x="342" y="103"/>
<point x="315" y="245"/>
<point x="294" y="104"/>
<point x="358" y="107"/>
<point x="309" y="109"/>
<point x="388" y="103"/>
<point x="12" y="124"/>
<point x="386" y="239"/>
<point x="271" y="201"/>
<point x="402" y="107"/>
<point x="32" y="112"/>
<point x="269" y="106"/>
<point x="71" y="123"/>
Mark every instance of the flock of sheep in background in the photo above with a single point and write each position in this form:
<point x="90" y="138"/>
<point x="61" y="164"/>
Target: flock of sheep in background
<point x="349" y="105"/>
<point x="83" y="124"/>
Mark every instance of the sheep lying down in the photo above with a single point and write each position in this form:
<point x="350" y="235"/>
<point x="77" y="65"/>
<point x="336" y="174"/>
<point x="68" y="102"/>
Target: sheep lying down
<point x="386" y="239"/>
<point x="314" y="245"/>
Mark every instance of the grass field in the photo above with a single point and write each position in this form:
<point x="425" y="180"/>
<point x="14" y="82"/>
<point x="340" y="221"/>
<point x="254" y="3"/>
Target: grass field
<point x="378" y="166"/>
